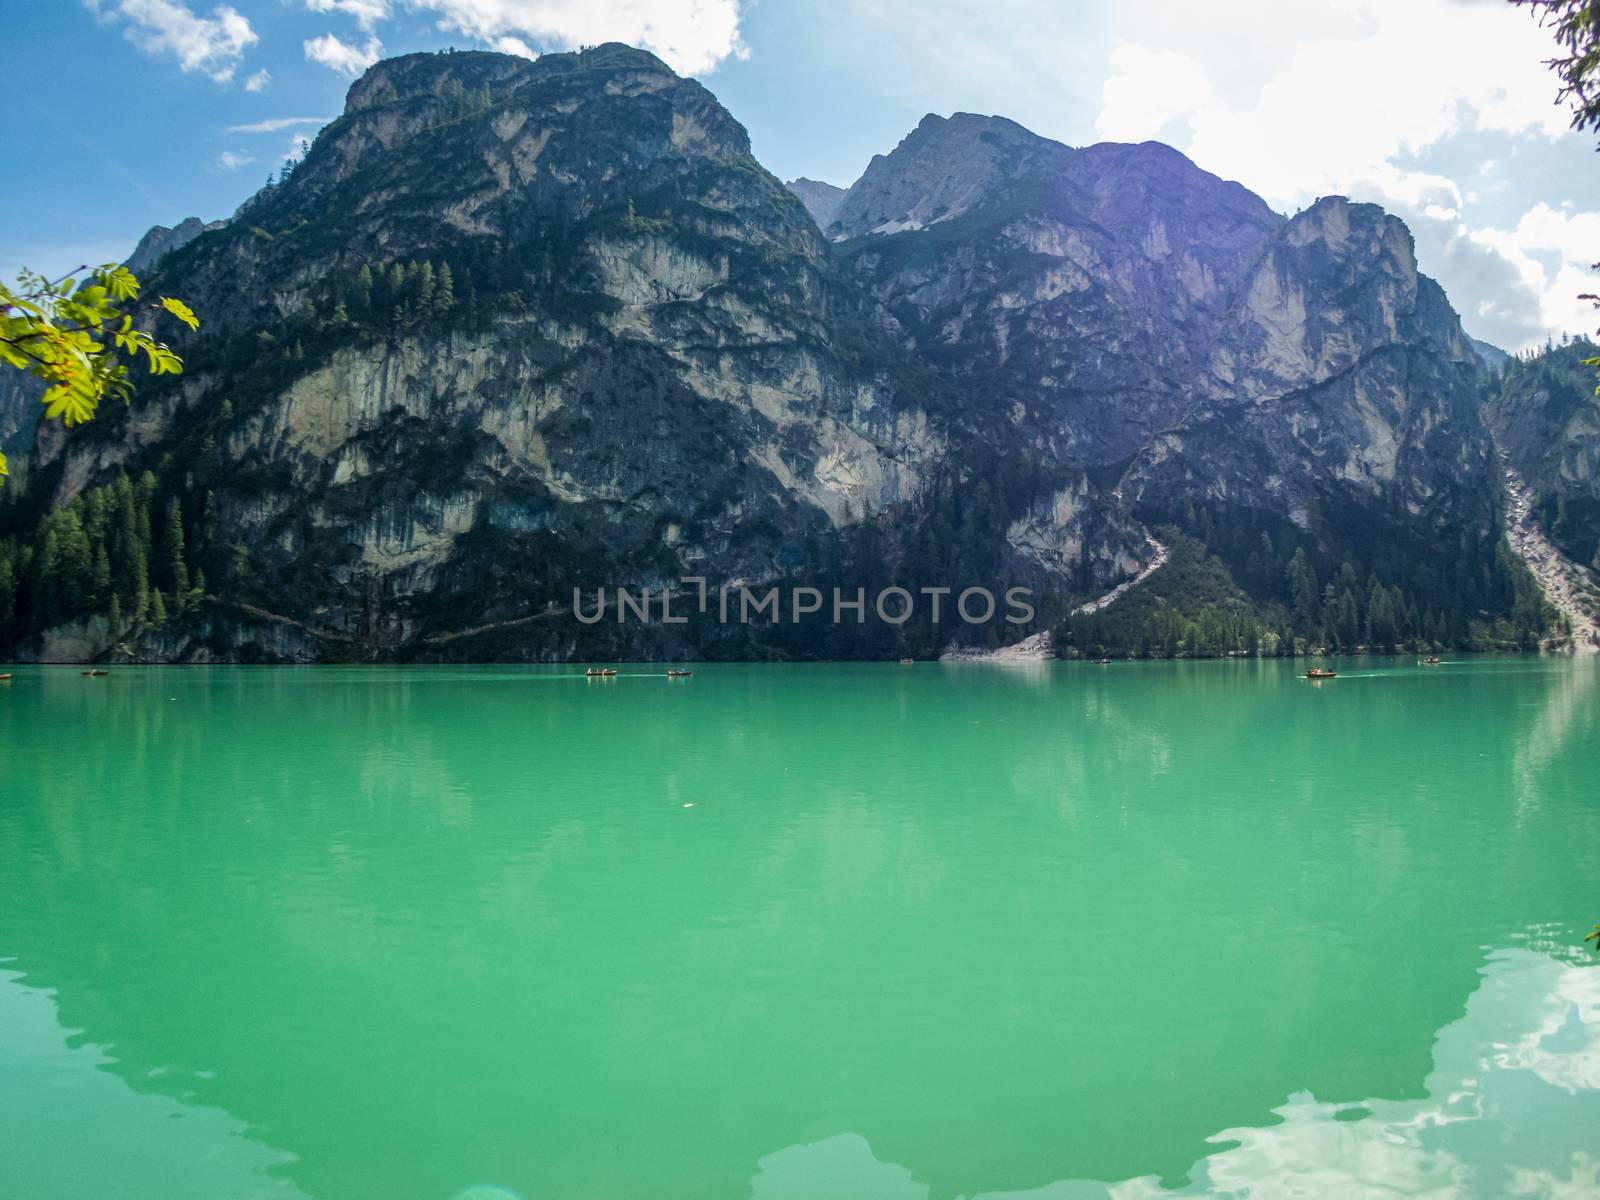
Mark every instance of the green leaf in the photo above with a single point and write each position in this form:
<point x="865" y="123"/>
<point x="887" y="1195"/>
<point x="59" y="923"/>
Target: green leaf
<point x="180" y="310"/>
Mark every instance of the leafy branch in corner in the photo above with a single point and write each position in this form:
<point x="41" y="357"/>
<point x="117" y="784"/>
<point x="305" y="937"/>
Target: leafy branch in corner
<point x="80" y="338"/>
<point x="1576" y="25"/>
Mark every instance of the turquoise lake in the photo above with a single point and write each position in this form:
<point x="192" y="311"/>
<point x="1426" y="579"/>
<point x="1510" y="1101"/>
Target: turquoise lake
<point x="833" y="932"/>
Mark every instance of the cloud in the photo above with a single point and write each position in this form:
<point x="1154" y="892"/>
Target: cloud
<point x="258" y="81"/>
<point x="367" y="12"/>
<point x="1148" y="90"/>
<point x="1350" y="108"/>
<point x="342" y="56"/>
<point x="691" y="36"/>
<point x="514" y="45"/>
<point x="229" y="161"/>
<point x="1551" y="252"/>
<point x="1340" y="109"/>
<point x="277" y="123"/>
<point x="212" y="45"/>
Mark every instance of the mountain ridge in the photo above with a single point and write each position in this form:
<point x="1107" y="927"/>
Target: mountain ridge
<point x="513" y="328"/>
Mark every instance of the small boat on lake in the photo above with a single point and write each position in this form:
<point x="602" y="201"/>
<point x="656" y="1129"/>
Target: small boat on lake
<point x="1430" y="662"/>
<point x="6" y="678"/>
<point x="906" y="662"/>
<point x="597" y="673"/>
<point x="1102" y="662"/>
<point x="673" y="673"/>
<point x="1319" y="673"/>
<point x="96" y="674"/>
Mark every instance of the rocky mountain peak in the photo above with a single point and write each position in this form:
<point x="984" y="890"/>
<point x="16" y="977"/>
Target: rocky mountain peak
<point x="160" y="241"/>
<point x="941" y="169"/>
<point x="821" y="199"/>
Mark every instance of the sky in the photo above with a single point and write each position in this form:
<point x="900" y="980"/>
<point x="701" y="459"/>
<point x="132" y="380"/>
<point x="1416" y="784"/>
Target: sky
<point x="123" y="114"/>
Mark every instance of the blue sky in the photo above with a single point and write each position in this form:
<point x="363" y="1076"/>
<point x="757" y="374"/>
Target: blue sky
<point x="129" y="113"/>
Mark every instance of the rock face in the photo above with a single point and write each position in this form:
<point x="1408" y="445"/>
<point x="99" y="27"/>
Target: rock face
<point x="517" y="327"/>
<point x="161" y="241"/>
<point x="821" y="199"/>
<point x="944" y="168"/>
<point x="1547" y="416"/>
<point x="1491" y="356"/>
<point x="1168" y="333"/>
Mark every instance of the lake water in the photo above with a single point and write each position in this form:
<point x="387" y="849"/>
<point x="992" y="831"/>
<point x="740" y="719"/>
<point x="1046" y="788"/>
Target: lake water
<point x="862" y="932"/>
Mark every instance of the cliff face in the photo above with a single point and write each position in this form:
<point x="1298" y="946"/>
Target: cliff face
<point x="1547" y="416"/>
<point x="821" y="199"/>
<point x="160" y="241"/>
<point x="1166" y="331"/>
<point x="513" y="327"/>
<point x="1339" y="380"/>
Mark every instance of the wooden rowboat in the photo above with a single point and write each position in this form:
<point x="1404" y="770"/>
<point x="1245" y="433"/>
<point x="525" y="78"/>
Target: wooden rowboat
<point x="1318" y="673"/>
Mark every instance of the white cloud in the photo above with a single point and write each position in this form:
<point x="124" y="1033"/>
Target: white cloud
<point x="277" y="123"/>
<point x="212" y="45"/>
<point x="691" y="36"/>
<point x="1551" y="251"/>
<point x="367" y="12"/>
<point x="258" y="81"/>
<point x="1338" y="110"/>
<point x="1301" y="99"/>
<point x="230" y="161"/>
<point x="514" y="45"/>
<point x="1149" y="89"/>
<point x="343" y="56"/>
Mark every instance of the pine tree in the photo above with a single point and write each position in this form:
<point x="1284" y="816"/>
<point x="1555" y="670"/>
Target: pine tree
<point x="158" y="608"/>
<point x="75" y="563"/>
<point x="8" y="588"/>
<point x="102" y="572"/>
<point x="1302" y="580"/>
<point x="1380" y="618"/>
<point x="424" y="305"/>
<point x="140" y="591"/>
<point x="1347" y="626"/>
<point x="143" y="492"/>
<point x="114" y="616"/>
<point x="394" y="287"/>
<point x="177" y="568"/>
<point x="444" y="295"/>
<point x="361" y="299"/>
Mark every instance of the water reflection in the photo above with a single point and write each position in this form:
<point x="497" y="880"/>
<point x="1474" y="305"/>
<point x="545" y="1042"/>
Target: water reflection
<point x="69" y="1125"/>
<point x="429" y="930"/>
<point x="1511" y="1106"/>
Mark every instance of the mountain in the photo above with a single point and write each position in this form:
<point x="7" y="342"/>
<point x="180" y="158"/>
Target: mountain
<point x="1208" y="362"/>
<point x="161" y="241"/>
<point x="514" y="328"/>
<point x="821" y="199"/>
<point x="1490" y="355"/>
<point x="1547" y="415"/>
